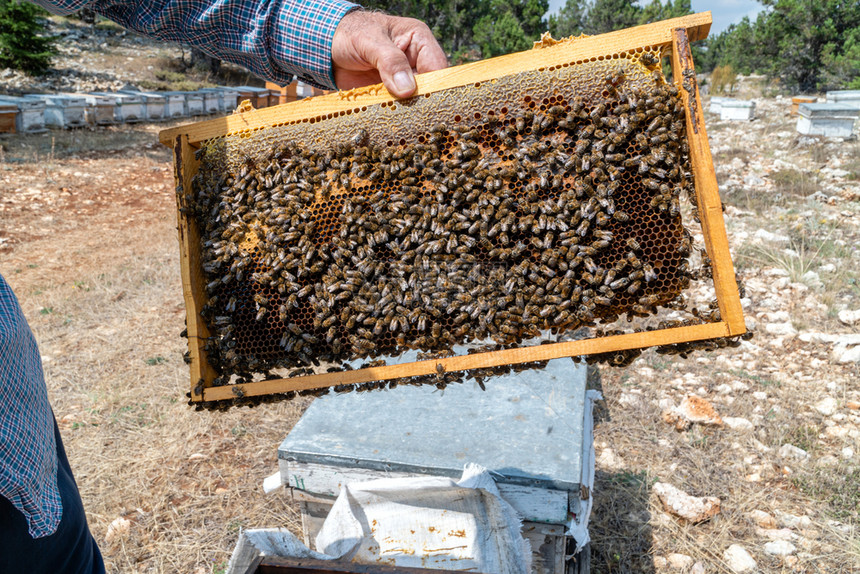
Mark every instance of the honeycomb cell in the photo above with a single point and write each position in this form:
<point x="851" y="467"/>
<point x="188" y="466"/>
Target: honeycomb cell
<point x="501" y="210"/>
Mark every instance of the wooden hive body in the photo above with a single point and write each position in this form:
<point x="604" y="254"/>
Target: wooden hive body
<point x="482" y="99"/>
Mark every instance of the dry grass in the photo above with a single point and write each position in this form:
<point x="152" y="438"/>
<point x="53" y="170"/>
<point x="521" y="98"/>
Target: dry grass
<point x="102" y="293"/>
<point x="89" y="245"/>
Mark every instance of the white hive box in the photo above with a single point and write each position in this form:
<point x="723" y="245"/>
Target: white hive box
<point x="174" y="104"/>
<point x="100" y="110"/>
<point x="304" y="90"/>
<point x="194" y="104"/>
<point x="154" y="104"/>
<point x="532" y="430"/>
<point x="30" y="118"/>
<point x="716" y="104"/>
<point x="211" y="100"/>
<point x="129" y="108"/>
<point x="848" y="97"/>
<point x="229" y="99"/>
<point x="63" y="111"/>
<point x="741" y="110"/>
<point x="828" y="120"/>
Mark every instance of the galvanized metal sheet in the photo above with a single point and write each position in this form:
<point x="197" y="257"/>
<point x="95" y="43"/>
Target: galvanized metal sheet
<point x="526" y="427"/>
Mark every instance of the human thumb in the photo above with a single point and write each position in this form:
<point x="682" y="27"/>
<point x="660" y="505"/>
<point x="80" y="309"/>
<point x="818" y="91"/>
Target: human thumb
<point x="394" y="69"/>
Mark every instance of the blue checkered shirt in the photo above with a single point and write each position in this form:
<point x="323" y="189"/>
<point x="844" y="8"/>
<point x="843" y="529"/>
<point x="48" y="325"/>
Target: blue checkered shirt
<point x="28" y="450"/>
<point x="275" y="39"/>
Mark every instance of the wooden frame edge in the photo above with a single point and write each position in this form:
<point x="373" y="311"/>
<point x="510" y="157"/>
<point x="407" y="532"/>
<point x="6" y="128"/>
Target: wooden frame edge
<point x="185" y="164"/>
<point x="713" y="227"/>
<point x="477" y="361"/>
<point x="656" y="34"/>
<point x="707" y="191"/>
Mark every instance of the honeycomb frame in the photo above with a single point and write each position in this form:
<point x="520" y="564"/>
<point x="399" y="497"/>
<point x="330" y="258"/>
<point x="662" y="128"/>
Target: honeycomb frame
<point x="671" y="36"/>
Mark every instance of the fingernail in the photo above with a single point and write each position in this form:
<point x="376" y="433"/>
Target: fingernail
<point x="404" y="82"/>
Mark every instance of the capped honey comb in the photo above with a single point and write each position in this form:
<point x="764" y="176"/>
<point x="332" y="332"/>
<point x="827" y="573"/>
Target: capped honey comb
<point x="499" y="211"/>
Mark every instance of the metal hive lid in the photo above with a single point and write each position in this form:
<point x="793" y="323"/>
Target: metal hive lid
<point x="527" y="428"/>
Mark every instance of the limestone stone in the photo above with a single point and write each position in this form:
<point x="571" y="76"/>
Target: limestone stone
<point x="738" y="559"/>
<point x="848" y="317"/>
<point x="738" y="423"/>
<point x="780" y="548"/>
<point x="693" y="509"/>
<point x="679" y="561"/>
<point x="826" y="406"/>
<point x="791" y="452"/>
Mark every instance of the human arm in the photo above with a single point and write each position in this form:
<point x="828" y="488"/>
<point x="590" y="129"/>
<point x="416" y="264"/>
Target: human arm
<point x="325" y="43"/>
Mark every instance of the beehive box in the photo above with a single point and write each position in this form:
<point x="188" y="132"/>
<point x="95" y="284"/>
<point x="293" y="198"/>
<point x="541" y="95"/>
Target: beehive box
<point x="62" y="110"/>
<point x="100" y="110"/>
<point x="731" y="109"/>
<point x="827" y="120"/>
<point x="154" y="104"/>
<point x="8" y="112"/>
<point x="30" y="118"/>
<point x="128" y="108"/>
<point x="506" y="204"/>
<point x="797" y="100"/>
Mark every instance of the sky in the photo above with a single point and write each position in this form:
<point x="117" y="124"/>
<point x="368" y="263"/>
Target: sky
<point x="725" y="12"/>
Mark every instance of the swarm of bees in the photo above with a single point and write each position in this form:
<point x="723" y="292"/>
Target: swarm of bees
<point x="557" y="213"/>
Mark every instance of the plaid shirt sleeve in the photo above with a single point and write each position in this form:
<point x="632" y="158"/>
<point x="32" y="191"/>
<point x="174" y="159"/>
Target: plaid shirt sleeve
<point x="28" y="450"/>
<point x="275" y="39"/>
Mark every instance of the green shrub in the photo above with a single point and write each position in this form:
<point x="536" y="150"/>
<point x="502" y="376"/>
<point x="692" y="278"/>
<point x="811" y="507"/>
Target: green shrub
<point x="24" y="44"/>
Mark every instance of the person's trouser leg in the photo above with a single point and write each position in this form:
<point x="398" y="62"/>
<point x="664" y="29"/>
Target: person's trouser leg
<point x="69" y="550"/>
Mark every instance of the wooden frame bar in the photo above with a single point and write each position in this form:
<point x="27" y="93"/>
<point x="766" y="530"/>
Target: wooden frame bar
<point x="657" y="34"/>
<point x="672" y="35"/>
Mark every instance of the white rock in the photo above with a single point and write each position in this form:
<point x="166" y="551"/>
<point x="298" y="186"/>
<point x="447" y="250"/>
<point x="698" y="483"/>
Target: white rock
<point x="780" y="548"/>
<point x="792" y="452"/>
<point x="848" y="340"/>
<point x="780" y="329"/>
<point x="738" y="559"/>
<point x="847" y="453"/>
<point x="759" y="395"/>
<point x="776" y="533"/>
<point x="849" y="317"/>
<point x="630" y="399"/>
<point x="691" y="508"/>
<point x="778" y="316"/>
<point x="846" y="355"/>
<point x="607" y="459"/>
<point x="738" y="423"/>
<point x="813" y="337"/>
<point x="826" y="406"/>
<point x="811" y="278"/>
<point x="827" y="268"/>
<point x="698" y="568"/>
<point x="679" y="561"/>
<point x="788" y="520"/>
<point x="117" y="529"/>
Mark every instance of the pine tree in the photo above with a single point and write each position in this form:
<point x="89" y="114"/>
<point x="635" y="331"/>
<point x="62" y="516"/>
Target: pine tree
<point x="24" y="44"/>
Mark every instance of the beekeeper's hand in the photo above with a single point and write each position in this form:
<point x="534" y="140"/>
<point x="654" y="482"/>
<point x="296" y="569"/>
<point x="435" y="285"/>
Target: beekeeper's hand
<point x="369" y="47"/>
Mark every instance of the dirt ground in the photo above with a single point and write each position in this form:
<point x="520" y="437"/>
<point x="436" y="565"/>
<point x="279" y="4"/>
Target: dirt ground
<point x="88" y="243"/>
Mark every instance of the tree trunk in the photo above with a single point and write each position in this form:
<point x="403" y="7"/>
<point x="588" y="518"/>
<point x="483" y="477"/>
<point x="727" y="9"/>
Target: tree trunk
<point x="204" y="61"/>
